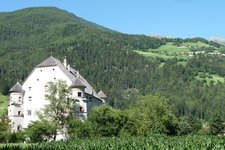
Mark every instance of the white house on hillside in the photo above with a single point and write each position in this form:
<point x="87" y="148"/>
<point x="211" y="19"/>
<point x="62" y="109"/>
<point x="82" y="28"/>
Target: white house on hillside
<point x="30" y="97"/>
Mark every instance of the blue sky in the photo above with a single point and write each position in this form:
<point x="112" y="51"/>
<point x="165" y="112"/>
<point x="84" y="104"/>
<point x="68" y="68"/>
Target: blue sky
<point x="176" y="18"/>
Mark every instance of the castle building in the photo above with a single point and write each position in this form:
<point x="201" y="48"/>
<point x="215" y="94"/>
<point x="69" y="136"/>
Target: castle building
<point x="30" y="97"/>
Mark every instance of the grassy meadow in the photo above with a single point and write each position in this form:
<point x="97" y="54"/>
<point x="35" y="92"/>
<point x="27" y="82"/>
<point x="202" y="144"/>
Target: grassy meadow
<point x="212" y="78"/>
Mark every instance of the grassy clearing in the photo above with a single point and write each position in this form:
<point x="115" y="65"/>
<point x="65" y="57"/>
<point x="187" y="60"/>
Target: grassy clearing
<point x="171" y="51"/>
<point x="213" y="78"/>
<point x="3" y="104"/>
<point x="184" y="47"/>
<point x="159" y="55"/>
<point x="194" y="45"/>
<point x="171" y="48"/>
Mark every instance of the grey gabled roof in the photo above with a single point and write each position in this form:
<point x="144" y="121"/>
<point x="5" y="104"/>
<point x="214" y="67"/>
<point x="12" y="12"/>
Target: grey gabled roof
<point x="16" y="88"/>
<point x="50" y="61"/>
<point x="102" y="94"/>
<point x="72" y="74"/>
<point x="78" y="83"/>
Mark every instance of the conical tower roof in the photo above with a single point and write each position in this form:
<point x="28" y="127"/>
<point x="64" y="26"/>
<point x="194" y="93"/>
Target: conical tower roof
<point x="102" y="95"/>
<point x="16" y="88"/>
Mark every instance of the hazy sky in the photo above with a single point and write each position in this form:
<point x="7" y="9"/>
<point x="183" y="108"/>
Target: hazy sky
<point x="176" y="18"/>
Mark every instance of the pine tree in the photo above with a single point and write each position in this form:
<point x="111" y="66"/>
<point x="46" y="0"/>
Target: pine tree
<point x="216" y="124"/>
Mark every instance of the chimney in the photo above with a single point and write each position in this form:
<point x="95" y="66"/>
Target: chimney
<point x="68" y="67"/>
<point x="65" y="62"/>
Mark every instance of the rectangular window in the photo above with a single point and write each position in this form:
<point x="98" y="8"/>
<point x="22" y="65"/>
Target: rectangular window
<point x="19" y="98"/>
<point x="28" y="112"/>
<point x="90" y="98"/>
<point x="79" y="94"/>
<point x="30" y="98"/>
<point x="19" y="113"/>
<point x="29" y="88"/>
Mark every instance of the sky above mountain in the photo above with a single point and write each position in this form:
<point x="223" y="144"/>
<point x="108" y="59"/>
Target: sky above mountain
<point x="174" y="18"/>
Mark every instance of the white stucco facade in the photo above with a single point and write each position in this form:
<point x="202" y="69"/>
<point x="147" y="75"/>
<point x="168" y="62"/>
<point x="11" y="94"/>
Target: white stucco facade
<point x="30" y="97"/>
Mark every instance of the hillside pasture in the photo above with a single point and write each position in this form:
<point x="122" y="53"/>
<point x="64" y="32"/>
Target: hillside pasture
<point x="209" y="78"/>
<point x="171" y="48"/>
<point x="162" y="56"/>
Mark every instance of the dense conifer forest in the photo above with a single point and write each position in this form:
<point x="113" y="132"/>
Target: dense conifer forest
<point x="107" y="60"/>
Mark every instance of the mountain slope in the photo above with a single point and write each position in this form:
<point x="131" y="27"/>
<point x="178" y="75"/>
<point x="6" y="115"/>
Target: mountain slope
<point x="107" y="60"/>
<point x="28" y="36"/>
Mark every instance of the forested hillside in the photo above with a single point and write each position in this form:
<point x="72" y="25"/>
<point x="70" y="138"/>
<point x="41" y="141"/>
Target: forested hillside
<point x="107" y="60"/>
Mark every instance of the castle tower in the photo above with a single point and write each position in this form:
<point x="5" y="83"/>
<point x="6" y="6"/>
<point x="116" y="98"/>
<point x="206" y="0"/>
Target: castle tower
<point x="78" y="94"/>
<point x="15" y="109"/>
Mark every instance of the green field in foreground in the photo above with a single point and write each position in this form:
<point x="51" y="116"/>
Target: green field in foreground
<point x="130" y="143"/>
<point x="3" y="104"/>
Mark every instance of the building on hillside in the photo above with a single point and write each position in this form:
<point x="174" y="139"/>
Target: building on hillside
<point x="30" y="97"/>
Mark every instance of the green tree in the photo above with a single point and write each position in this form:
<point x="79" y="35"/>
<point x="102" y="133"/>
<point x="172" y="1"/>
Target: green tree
<point x="216" y="124"/>
<point x="4" y="130"/>
<point x="41" y="131"/>
<point x="157" y="116"/>
<point x="105" y="121"/>
<point x="80" y="129"/>
<point x="61" y="107"/>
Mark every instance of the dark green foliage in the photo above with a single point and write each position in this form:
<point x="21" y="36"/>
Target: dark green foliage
<point x="17" y="137"/>
<point x="157" y="117"/>
<point x="216" y="124"/>
<point x="4" y="130"/>
<point x="79" y="129"/>
<point x="105" y="121"/>
<point x="149" y="115"/>
<point x="40" y="131"/>
<point x="189" y="124"/>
